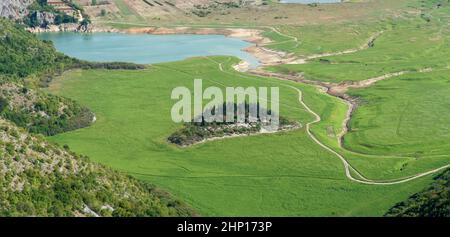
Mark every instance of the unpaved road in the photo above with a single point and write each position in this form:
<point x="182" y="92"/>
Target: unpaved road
<point x="364" y="46"/>
<point x="349" y="169"/>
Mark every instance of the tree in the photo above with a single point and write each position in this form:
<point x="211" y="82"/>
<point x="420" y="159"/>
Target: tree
<point x="42" y="2"/>
<point x="94" y="2"/>
<point x="85" y="23"/>
<point x="3" y="104"/>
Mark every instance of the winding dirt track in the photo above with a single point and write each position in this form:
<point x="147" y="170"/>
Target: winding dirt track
<point x="349" y="169"/>
<point x="285" y="35"/>
<point x="364" y="46"/>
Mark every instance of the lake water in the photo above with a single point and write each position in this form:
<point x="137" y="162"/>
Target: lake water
<point x="310" y="1"/>
<point x="145" y="48"/>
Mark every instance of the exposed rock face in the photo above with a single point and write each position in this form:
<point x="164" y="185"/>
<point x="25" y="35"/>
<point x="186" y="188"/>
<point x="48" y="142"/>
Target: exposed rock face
<point x="44" y="18"/>
<point x="14" y="9"/>
<point x="68" y="27"/>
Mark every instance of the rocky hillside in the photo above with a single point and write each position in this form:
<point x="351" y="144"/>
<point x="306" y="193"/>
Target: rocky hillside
<point x="27" y="63"/>
<point x="41" y="179"/>
<point x="14" y="9"/>
<point x="23" y="54"/>
<point x="432" y="202"/>
<point x="40" y="112"/>
<point x="25" y="60"/>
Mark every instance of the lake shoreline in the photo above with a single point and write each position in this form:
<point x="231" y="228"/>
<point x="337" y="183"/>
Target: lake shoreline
<point x="254" y="36"/>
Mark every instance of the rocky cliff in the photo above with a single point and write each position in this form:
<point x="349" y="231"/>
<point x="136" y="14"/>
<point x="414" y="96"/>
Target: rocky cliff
<point x="14" y="9"/>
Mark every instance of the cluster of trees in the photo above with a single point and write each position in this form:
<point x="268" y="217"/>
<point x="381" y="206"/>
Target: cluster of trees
<point x="49" y="114"/>
<point x="63" y="18"/>
<point x="68" y="195"/>
<point x="195" y="132"/>
<point x="432" y="202"/>
<point x="40" y="8"/>
<point x="41" y="5"/>
<point x="205" y="10"/>
<point x="106" y="65"/>
<point x="22" y="53"/>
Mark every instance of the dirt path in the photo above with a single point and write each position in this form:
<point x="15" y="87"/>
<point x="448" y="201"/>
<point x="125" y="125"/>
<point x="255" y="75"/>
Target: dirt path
<point x="339" y="90"/>
<point x="350" y="171"/>
<point x="369" y="43"/>
<point x="348" y="167"/>
<point x="295" y="39"/>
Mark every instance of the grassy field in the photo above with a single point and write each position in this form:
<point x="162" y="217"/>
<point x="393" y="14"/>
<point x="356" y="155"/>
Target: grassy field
<point x="126" y="13"/>
<point x="398" y="129"/>
<point x="395" y="117"/>
<point x="404" y="46"/>
<point x="399" y="117"/>
<point x="321" y="38"/>
<point x="411" y="42"/>
<point x="282" y="174"/>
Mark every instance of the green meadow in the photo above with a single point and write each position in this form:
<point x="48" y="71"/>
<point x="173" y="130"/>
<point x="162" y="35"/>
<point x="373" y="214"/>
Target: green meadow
<point x="283" y="174"/>
<point x="412" y="43"/>
<point x="401" y="117"/>
<point x="320" y="38"/>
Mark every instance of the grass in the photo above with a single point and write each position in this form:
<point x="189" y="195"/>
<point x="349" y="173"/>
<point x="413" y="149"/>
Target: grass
<point x="283" y="174"/>
<point x="126" y="13"/>
<point x="375" y="166"/>
<point x="321" y="38"/>
<point x="399" y="117"/>
<point x="397" y="131"/>
<point x="406" y="45"/>
<point x="398" y="121"/>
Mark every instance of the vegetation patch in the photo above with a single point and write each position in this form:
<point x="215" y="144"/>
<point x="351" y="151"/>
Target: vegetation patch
<point x="432" y="202"/>
<point x="399" y="117"/>
<point x="196" y="132"/>
<point x="26" y="64"/>
<point x="40" y="112"/>
<point x="38" y="178"/>
<point x="203" y="10"/>
<point x="42" y="14"/>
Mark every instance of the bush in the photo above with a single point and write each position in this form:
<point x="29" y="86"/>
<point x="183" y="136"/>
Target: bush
<point x="3" y="104"/>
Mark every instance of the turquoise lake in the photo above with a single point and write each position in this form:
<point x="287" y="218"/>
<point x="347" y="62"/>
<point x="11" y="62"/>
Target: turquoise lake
<point x="310" y="1"/>
<point x="145" y="48"/>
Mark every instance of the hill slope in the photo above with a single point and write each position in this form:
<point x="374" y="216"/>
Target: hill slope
<point x="41" y="179"/>
<point x="14" y="9"/>
<point x="23" y="54"/>
<point x="26" y="60"/>
<point x="432" y="202"/>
